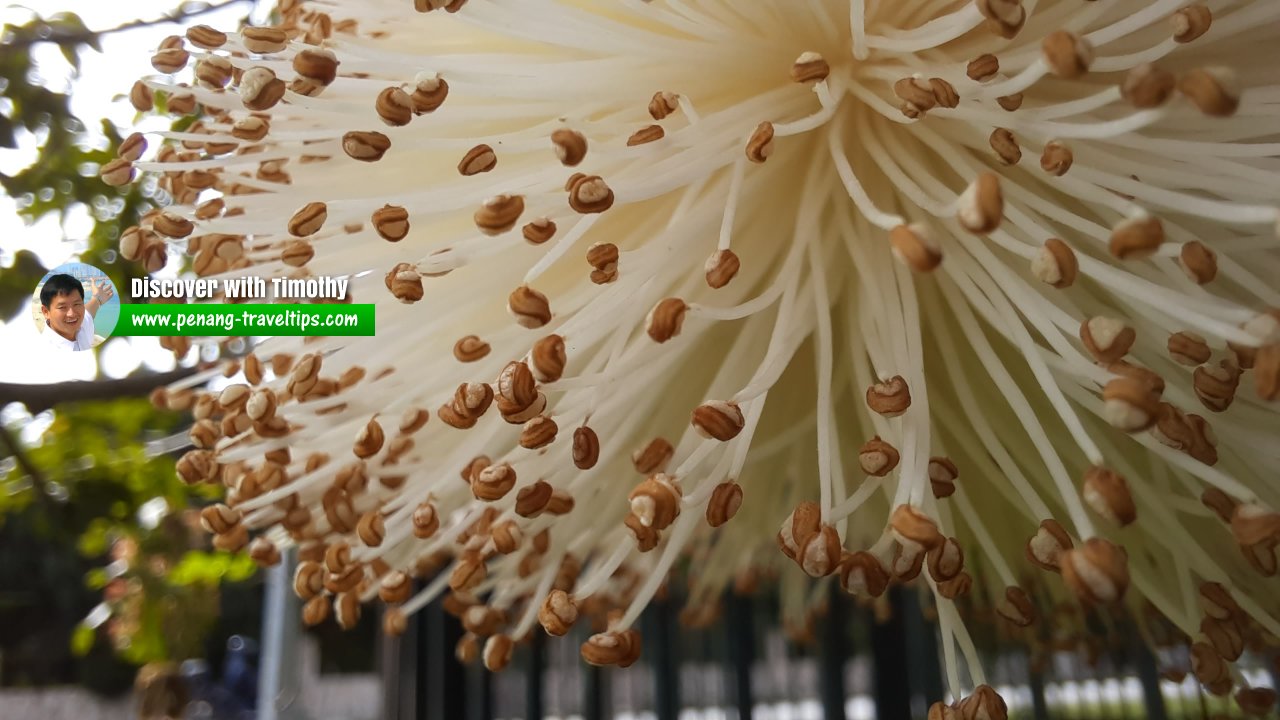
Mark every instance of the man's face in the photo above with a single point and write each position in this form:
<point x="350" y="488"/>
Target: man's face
<point x="65" y="313"/>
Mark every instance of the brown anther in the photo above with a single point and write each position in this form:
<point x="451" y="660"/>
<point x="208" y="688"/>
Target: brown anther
<point x="1056" y="158"/>
<point x="204" y="434"/>
<point x="621" y="648"/>
<point x="663" y="104"/>
<point x="760" y="144"/>
<point x="538" y="433"/>
<point x="956" y="587"/>
<point x="1004" y="17"/>
<point x="214" y="72"/>
<point x="1129" y="404"/>
<point x="1055" y="264"/>
<point x="877" y="457"/>
<point x="810" y="67"/>
<point x="1097" y="572"/>
<point x="531" y="501"/>
<point x="916" y="94"/>
<point x="666" y="319"/>
<point x="1222" y="504"/>
<point x="983" y="68"/>
<point x="819" y="554"/>
<point x="1207" y="665"/>
<point x="132" y="147"/>
<point x="308" y="579"/>
<point x="317" y="65"/>
<point x="315" y="611"/>
<point x="1016" y="607"/>
<point x="499" y="214"/>
<point x="426" y="521"/>
<point x="1010" y="103"/>
<point x="394" y="622"/>
<point x="646" y="135"/>
<point x="655" y="501"/>
<point x="395" y="588"/>
<point x="570" y="146"/>
<point x="725" y="500"/>
<point x="394" y="106"/>
<point x="170" y="60"/>
<point x="889" y="398"/>
<point x="942" y="477"/>
<point x="264" y="552"/>
<point x="586" y="448"/>
<point x="365" y="146"/>
<point x="982" y="205"/>
<point x="368" y="440"/>
<point x="945" y="93"/>
<point x="1147" y="86"/>
<point x="720" y="268"/>
<point x="172" y="225"/>
<point x="914" y="247"/>
<point x="260" y="89"/>
<point x="1212" y="90"/>
<point x="1067" y="54"/>
<point x="1108" y="494"/>
<point x="493" y="483"/>
<point x="940" y="711"/>
<point x="985" y="703"/>
<point x="429" y="94"/>
<point x="557" y="613"/>
<point x="479" y="159"/>
<point x="346" y="609"/>
<point x="590" y="194"/>
<point x="946" y="560"/>
<point x="1266" y="371"/>
<point x="1045" y="548"/>
<point x="908" y="562"/>
<point x="1191" y="22"/>
<point x="529" y="307"/>
<point x="297" y="253"/>
<point x="412" y="420"/>
<point x="251" y="129"/>
<point x="538" y="231"/>
<point x="1107" y="339"/>
<point x="910" y="524"/>
<point x="264" y="40"/>
<point x="205" y="37"/>
<point x="1188" y="348"/>
<point x="1005" y="146"/>
<point x="1198" y="262"/>
<point x="603" y="258"/>
<point x="405" y="283"/>
<point x="653" y="457"/>
<point x="470" y="349"/>
<point x="717" y="419"/>
<point x="117" y="172"/>
<point x="1224" y="636"/>
<point x="141" y="97"/>
<point x="219" y="518"/>
<point x="1259" y="701"/>
<point x="468" y="573"/>
<point x="196" y="466"/>
<point x="862" y="575"/>
<point x="1253" y="524"/>
<point x="372" y="528"/>
<point x="391" y="222"/>
<point x="516" y="385"/>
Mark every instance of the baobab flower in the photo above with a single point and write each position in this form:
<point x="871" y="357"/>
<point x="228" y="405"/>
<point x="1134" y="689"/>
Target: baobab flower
<point x="885" y="285"/>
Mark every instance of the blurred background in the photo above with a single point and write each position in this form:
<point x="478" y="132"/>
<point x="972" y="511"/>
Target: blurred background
<point x="113" y="604"/>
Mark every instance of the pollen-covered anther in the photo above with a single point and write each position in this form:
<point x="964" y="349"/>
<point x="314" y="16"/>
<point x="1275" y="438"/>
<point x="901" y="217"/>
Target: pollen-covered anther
<point x="372" y="528"/>
<point x="1056" y="158"/>
<point x="603" y="258"/>
<point x="430" y="92"/>
<point x="914" y="247"/>
<point x="621" y="648"/>
<point x="499" y="213"/>
<point x="877" y="457"/>
<point x="819" y="554"/>
<point x="910" y="525"/>
<point x="981" y="206"/>
<point x="1129" y="404"/>
<point x="395" y="587"/>
<point x="889" y="398"/>
<point x="260" y="89"/>
<point x="1056" y="264"/>
<point x="405" y="283"/>
<point x="219" y="518"/>
<point x="1107" y="339"/>
<point x="810" y="67"/>
<point x="721" y="267"/>
<point x="1107" y="493"/>
<point x="479" y="159"/>
<point x="365" y="145"/>
<point x="1004" y="17"/>
<point x="530" y="308"/>
<point x="1016" y="607"/>
<point x="1253" y="524"/>
<point x="1005" y="146"/>
<point x="942" y="477"/>
<point x="118" y="172"/>
<point x="590" y="194"/>
<point x="394" y="106"/>
<point x="945" y="561"/>
<point x="655" y="501"/>
<point x="1212" y="90"/>
<point x="391" y="222"/>
<point x="170" y="58"/>
<point x="426" y="521"/>
<point x="538" y="231"/>
<point x="666" y="319"/>
<point x="318" y="65"/>
<point x="916" y="94"/>
<point x="1147" y="86"/>
<point x="493" y="482"/>
<point x="760" y="144"/>
<point x="1045" y="548"/>
<point x="538" y="433"/>
<point x="1097" y="572"/>
<point x="717" y="419"/>
<point x="557" y="613"/>
<point x="1067" y="54"/>
<point x="264" y="552"/>
<point x="1191" y="22"/>
<point x="862" y="575"/>
<point x="663" y="104"/>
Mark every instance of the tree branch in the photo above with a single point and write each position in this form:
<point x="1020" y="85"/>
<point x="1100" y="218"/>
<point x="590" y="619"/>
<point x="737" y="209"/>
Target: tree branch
<point x="78" y="38"/>
<point x="38" y="398"/>
<point x="24" y="462"/>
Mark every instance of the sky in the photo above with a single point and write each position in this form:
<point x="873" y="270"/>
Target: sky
<point x="96" y="93"/>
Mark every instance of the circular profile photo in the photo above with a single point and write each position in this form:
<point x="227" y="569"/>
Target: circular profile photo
<point x="75" y="307"/>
